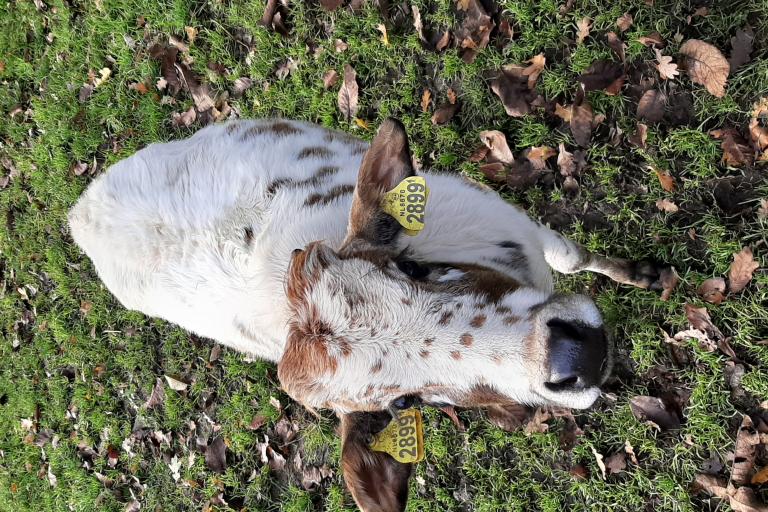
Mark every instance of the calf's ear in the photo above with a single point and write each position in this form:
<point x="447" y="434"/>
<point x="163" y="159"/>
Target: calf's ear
<point x="377" y="482"/>
<point x="386" y="163"/>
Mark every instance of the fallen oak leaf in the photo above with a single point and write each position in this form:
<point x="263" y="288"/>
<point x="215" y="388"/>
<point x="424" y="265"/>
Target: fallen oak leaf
<point x="666" y="181"/>
<point x="534" y="70"/>
<point x="650" y="408"/>
<point x="744" y="499"/>
<point x="699" y="319"/>
<point x="498" y="149"/>
<point x="475" y="30"/>
<point x="712" y="290"/>
<point x="538" y="156"/>
<point x="714" y="485"/>
<point x="706" y="66"/>
<point x="331" y="5"/>
<point x="745" y="452"/>
<point x="582" y="29"/>
<point x="665" y="205"/>
<point x="599" y="460"/>
<point x="581" y="120"/>
<point x="669" y="280"/>
<point x="348" y="94"/>
<point x="384" y="37"/>
<point x="760" y="477"/>
<point x="216" y="456"/>
<point x="330" y="78"/>
<point x="600" y="75"/>
<point x="445" y="113"/>
<point x="184" y="119"/>
<point x="624" y="22"/>
<point x="564" y="113"/>
<point x="651" y="106"/>
<point x="617" y="45"/>
<point x="616" y="463"/>
<point x="639" y="138"/>
<point x="511" y="87"/>
<point x="426" y="99"/>
<point x="742" y="268"/>
<point x="176" y="384"/>
<point x="736" y="152"/>
<point x="652" y="39"/>
<point x="667" y="69"/>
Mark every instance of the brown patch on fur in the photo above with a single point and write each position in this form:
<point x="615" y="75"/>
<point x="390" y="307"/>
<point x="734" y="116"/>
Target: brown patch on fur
<point x="493" y="285"/>
<point x="497" y="358"/>
<point x="359" y="149"/>
<point x="232" y="128"/>
<point x="276" y="184"/>
<point x="467" y="339"/>
<point x="511" y="320"/>
<point x="456" y="354"/>
<point x="282" y="128"/>
<point x="445" y="319"/>
<point x="429" y="341"/>
<point x="376" y="368"/>
<point x="325" y="171"/>
<point x="406" y="301"/>
<point x="330" y="196"/>
<point x="305" y="360"/>
<point x="345" y="347"/>
<point x="255" y="131"/>
<point x="482" y="395"/>
<point x="503" y="310"/>
<point x="478" y="321"/>
<point x="424" y="353"/>
<point x="314" y="152"/>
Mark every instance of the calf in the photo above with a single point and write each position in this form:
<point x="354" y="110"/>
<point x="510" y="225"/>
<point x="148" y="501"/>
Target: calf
<point x="271" y="237"/>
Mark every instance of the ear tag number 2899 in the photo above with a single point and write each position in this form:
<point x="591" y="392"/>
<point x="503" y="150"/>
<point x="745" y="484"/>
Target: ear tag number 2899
<point x="403" y="438"/>
<point x="407" y="203"/>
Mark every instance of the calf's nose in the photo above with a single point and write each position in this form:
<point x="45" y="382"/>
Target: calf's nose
<point x="577" y="355"/>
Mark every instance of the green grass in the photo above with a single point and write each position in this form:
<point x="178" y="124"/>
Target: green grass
<point x="84" y="376"/>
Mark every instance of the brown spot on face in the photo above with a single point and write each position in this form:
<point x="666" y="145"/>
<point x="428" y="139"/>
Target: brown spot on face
<point x="369" y="390"/>
<point x="456" y="354"/>
<point x="511" y="320"/>
<point x="330" y="196"/>
<point x="482" y="395"/>
<point x="445" y="318"/>
<point x="503" y="310"/>
<point x="406" y="301"/>
<point x="478" y="321"/>
<point x="467" y="339"/>
<point x="305" y="360"/>
<point x="376" y="368"/>
<point x="424" y="354"/>
<point x="314" y="152"/>
<point x="429" y="341"/>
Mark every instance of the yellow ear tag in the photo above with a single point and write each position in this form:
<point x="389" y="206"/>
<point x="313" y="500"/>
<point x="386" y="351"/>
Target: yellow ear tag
<point x="407" y="203"/>
<point x="403" y="438"/>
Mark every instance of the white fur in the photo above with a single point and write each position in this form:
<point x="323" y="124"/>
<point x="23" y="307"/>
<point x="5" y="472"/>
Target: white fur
<point x="165" y="231"/>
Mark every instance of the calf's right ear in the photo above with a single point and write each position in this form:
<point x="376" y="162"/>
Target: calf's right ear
<point x="377" y="482"/>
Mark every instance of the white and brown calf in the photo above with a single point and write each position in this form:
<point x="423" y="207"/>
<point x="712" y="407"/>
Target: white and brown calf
<point x="268" y="237"/>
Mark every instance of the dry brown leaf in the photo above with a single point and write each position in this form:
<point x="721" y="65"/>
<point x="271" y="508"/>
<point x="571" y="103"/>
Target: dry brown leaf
<point x="511" y="86"/>
<point x="616" y="463"/>
<point x="582" y="29"/>
<point x="714" y="485"/>
<point x="581" y="122"/>
<point x="599" y="460"/>
<point x="736" y="152"/>
<point x="534" y="70"/>
<point x="286" y="68"/>
<point x="158" y="395"/>
<point x="624" y="22"/>
<point x="651" y="106"/>
<point x="652" y="39"/>
<point x="275" y="13"/>
<point x="426" y="99"/>
<point x="510" y="418"/>
<point x="384" y="37"/>
<point x="649" y="408"/>
<point x="745" y="452"/>
<point x="630" y="451"/>
<point x="452" y="96"/>
<point x="744" y="499"/>
<point x="667" y="69"/>
<point x="537" y="424"/>
<point x="498" y="149"/>
<point x="475" y="30"/>
<point x="564" y="113"/>
<point x="340" y="46"/>
<point x="741" y="48"/>
<point x="191" y="33"/>
<point x="617" y="45"/>
<point x="565" y="161"/>
<point x="742" y="268"/>
<point x="184" y="119"/>
<point x="601" y="74"/>
<point x="760" y="477"/>
<point x="330" y="78"/>
<point x="667" y="182"/>
<point x="669" y="280"/>
<point x="494" y="171"/>
<point x="445" y="113"/>
<point x="330" y="5"/>
<point x="216" y="456"/>
<point x="538" y="156"/>
<point x="666" y="205"/>
<point x="443" y="42"/>
<point x="699" y="319"/>
<point x="639" y="137"/>
<point x="348" y="94"/>
<point x="712" y="290"/>
<point x="706" y="66"/>
<point x="762" y="211"/>
<point x="241" y="85"/>
<point x="176" y="384"/>
<point x="450" y="411"/>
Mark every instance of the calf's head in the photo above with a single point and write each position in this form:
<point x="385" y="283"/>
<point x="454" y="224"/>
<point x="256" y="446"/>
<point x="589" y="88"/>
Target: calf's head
<point x="371" y="324"/>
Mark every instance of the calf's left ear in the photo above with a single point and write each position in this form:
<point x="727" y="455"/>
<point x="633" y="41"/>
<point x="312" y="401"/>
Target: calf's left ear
<point x="378" y="482"/>
<point x="386" y="163"/>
